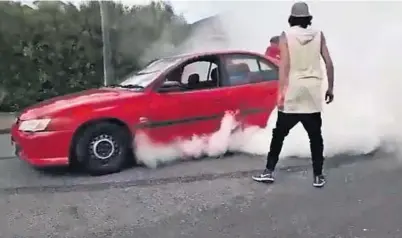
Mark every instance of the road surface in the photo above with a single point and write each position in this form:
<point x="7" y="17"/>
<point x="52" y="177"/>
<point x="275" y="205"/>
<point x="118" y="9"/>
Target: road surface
<point x="210" y="198"/>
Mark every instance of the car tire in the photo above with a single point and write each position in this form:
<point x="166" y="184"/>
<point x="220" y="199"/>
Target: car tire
<point x="103" y="148"/>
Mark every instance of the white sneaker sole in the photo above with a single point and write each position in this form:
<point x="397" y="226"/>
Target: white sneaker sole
<point x="266" y="180"/>
<point x="319" y="185"/>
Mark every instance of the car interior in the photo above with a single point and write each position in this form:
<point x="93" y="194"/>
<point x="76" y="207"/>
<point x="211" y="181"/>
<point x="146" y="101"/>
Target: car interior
<point x="240" y="73"/>
<point x="194" y="82"/>
<point x="237" y="73"/>
<point x="202" y="73"/>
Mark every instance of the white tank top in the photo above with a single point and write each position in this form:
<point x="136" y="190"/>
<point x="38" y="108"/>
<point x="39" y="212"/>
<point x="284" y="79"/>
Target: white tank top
<point x="303" y="91"/>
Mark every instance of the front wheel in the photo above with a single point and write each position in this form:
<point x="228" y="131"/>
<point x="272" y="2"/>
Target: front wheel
<point x="103" y="148"/>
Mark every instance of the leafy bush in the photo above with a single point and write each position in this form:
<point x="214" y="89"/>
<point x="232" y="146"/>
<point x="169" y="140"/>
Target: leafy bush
<point x="55" y="48"/>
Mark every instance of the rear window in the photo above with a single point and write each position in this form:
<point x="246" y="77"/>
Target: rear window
<point x="248" y="69"/>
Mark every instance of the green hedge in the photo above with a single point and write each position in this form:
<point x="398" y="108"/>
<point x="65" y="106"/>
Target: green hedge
<point x="55" y="48"/>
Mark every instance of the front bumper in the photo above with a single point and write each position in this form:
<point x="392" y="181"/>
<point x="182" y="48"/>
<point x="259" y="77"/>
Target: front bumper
<point x="42" y="149"/>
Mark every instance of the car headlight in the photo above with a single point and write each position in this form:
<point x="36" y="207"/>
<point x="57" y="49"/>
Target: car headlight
<point x="34" y="125"/>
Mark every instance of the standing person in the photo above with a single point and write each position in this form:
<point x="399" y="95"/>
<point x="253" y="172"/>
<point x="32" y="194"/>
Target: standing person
<point x="300" y="97"/>
<point x="273" y="48"/>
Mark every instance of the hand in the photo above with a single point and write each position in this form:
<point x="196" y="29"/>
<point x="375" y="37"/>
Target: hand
<point x="329" y="96"/>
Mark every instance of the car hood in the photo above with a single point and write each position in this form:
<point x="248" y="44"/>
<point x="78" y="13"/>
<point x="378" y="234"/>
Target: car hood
<point x="58" y="104"/>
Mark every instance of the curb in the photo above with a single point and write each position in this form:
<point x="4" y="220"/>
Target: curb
<point x="5" y="131"/>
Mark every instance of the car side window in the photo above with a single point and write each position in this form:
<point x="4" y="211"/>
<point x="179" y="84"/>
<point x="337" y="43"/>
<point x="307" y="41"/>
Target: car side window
<point x="238" y="68"/>
<point x="248" y="69"/>
<point x="268" y="71"/>
<point x="196" y="74"/>
<point x="202" y="68"/>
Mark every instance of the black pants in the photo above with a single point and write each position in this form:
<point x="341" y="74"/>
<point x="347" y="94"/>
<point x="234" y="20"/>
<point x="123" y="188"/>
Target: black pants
<point x="312" y="124"/>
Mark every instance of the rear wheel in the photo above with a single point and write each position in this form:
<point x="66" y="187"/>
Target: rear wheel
<point x="103" y="148"/>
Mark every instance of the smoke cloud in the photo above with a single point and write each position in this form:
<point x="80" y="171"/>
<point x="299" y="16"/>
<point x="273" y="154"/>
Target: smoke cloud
<point x="365" y="45"/>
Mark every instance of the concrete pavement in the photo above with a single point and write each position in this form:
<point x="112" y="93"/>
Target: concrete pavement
<point x="6" y="150"/>
<point x="209" y="198"/>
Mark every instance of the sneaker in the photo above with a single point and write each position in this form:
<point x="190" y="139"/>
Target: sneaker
<point x="319" y="181"/>
<point x="266" y="176"/>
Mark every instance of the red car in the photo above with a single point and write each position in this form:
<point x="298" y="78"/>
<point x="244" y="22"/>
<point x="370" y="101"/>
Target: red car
<point x="170" y="98"/>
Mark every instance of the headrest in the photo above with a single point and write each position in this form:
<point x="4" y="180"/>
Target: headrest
<point x="193" y="78"/>
<point x="238" y="68"/>
<point x="243" y="67"/>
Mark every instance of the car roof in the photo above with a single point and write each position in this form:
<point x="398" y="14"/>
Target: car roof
<point x="216" y="52"/>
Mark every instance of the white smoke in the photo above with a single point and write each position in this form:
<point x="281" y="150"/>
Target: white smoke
<point x="365" y="45"/>
<point x="152" y="155"/>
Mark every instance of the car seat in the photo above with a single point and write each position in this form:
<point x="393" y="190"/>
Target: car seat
<point x="238" y="73"/>
<point x="193" y="81"/>
<point x="243" y="68"/>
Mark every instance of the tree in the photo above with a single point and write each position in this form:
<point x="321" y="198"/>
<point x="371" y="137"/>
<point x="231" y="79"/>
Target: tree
<point x="55" y="48"/>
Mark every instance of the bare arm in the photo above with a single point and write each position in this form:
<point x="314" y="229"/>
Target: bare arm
<point x="284" y="65"/>
<point x="328" y="62"/>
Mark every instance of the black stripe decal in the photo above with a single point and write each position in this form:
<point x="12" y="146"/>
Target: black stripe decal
<point x="152" y="124"/>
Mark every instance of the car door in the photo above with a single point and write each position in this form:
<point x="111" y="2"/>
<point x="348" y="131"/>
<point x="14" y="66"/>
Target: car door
<point x="183" y="114"/>
<point x="252" y="83"/>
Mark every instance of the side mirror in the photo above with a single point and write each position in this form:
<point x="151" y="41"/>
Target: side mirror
<point x="170" y="86"/>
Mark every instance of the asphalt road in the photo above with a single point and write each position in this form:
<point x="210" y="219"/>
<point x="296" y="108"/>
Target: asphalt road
<point x="208" y="198"/>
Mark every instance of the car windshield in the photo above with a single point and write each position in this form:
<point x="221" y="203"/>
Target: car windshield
<point x="144" y="77"/>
